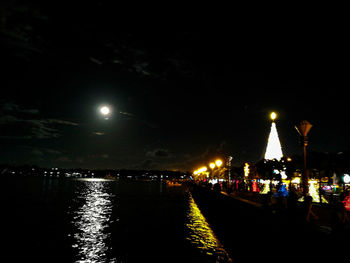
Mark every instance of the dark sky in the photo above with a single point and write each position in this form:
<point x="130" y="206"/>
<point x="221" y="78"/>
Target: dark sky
<point x="179" y="99"/>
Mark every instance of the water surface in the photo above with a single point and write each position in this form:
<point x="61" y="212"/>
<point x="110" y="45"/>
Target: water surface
<point x="96" y="220"/>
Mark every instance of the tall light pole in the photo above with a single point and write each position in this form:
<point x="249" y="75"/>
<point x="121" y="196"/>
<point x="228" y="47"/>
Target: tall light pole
<point x="303" y="129"/>
<point x="229" y="159"/>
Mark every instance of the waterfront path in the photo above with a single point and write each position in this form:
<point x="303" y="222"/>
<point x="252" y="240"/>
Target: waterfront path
<point x="251" y="233"/>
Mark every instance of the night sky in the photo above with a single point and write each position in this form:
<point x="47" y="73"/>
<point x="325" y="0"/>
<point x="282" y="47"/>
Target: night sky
<point x="179" y="99"/>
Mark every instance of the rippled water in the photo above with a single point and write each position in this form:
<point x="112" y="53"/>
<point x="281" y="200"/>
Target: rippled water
<point x="91" y="221"/>
<point x="94" y="220"/>
<point x="202" y="236"/>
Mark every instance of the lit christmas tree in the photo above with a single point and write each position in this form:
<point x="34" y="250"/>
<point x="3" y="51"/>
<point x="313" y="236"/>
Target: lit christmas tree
<point x="265" y="187"/>
<point x="313" y="192"/>
<point x="273" y="149"/>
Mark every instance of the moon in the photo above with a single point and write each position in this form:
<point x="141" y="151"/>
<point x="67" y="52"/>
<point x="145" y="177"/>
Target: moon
<point x="105" y="110"/>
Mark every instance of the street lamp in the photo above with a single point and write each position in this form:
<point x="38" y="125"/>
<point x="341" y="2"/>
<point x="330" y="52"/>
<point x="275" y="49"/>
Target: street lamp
<point x="212" y="166"/>
<point x="218" y="163"/>
<point x="273" y="116"/>
<point x="303" y="129"/>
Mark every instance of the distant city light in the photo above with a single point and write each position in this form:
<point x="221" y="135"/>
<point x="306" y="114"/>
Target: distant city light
<point x="346" y="178"/>
<point x="246" y="169"/>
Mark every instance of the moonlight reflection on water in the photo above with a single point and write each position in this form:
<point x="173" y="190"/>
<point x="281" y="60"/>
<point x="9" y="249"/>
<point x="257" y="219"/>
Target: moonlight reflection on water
<point x="91" y="220"/>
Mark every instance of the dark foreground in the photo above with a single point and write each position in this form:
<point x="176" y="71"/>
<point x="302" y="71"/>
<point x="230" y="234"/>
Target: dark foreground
<point x="253" y="234"/>
<point x="51" y="220"/>
<point x="103" y="221"/>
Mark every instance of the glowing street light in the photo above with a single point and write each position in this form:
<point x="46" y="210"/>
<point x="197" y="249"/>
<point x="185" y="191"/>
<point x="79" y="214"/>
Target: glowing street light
<point x="212" y="165"/>
<point x="218" y="163"/>
<point x="203" y="169"/>
<point x="273" y="116"/>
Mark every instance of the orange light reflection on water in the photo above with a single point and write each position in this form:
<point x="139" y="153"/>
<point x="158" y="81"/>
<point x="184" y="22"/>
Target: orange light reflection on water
<point x="202" y="236"/>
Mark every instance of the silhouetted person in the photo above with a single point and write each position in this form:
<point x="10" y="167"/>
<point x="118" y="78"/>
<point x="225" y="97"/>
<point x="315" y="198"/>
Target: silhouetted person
<point x="340" y="218"/>
<point x="292" y="202"/>
<point x="217" y="187"/>
<point x="310" y="216"/>
<point x="266" y="201"/>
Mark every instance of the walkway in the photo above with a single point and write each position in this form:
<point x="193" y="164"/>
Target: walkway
<point x="251" y="234"/>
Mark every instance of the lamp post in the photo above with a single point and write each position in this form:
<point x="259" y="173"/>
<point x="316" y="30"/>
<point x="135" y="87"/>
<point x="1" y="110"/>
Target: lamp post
<point x="218" y="163"/>
<point x="212" y="166"/>
<point x="303" y="129"/>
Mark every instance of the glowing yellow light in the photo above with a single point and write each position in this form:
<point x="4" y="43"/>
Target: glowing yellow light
<point x="273" y="116"/>
<point x="105" y="110"/>
<point x="212" y="165"/>
<point x="202" y="169"/>
<point x="246" y="169"/>
<point x="313" y="192"/>
<point x="200" y="233"/>
<point x="296" y="180"/>
<point x="218" y="163"/>
<point x="289" y="159"/>
<point x="283" y="175"/>
<point x="195" y="172"/>
<point x="266" y="187"/>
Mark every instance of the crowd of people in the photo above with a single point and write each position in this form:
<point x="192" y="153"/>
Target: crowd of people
<point x="301" y="213"/>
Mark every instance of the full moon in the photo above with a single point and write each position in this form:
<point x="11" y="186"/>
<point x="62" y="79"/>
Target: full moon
<point x="105" y="110"/>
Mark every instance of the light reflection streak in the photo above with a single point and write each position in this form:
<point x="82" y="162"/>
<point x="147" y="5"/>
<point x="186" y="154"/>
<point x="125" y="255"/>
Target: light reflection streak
<point x="202" y="236"/>
<point x="90" y="222"/>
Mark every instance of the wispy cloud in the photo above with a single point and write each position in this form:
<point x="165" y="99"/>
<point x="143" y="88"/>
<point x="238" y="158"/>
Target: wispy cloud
<point x="15" y="108"/>
<point x="98" y="133"/>
<point x="159" y="153"/>
<point x="13" y="127"/>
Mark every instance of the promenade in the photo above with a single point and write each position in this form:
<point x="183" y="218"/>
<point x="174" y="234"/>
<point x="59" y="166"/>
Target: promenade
<point x="323" y="211"/>
<point x="251" y="232"/>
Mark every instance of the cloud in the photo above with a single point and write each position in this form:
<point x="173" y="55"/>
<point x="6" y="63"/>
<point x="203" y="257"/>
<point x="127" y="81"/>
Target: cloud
<point x="126" y="113"/>
<point x="10" y="107"/>
<point x="58" y="121"/>
<point x="131" y="116"/>
<point x="159" y="153"/>
<point x="63" y="159"/>
<point x="37" y="152"/>
<point x="52" y="151"/>
<point x="98" y="133"/>
<point x="17" y="122"/>
<point x="146" y="164"/>
<point x="20" y="128"/>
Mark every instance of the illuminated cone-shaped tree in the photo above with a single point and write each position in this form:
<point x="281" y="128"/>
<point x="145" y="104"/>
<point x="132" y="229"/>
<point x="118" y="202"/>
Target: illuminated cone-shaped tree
<point x="273" y="149"/>
<point x="313" y="192"/>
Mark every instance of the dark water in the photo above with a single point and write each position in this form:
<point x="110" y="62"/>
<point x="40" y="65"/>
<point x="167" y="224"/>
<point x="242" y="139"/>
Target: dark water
<point x="92" y="220"/>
